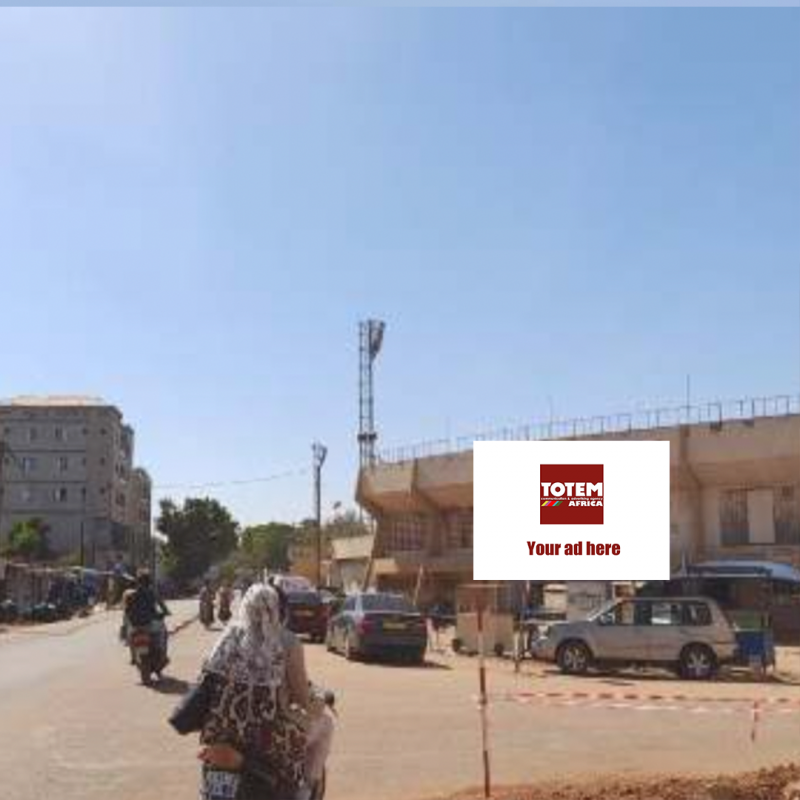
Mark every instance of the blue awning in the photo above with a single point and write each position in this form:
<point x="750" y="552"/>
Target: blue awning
<point x="735" y="568"/>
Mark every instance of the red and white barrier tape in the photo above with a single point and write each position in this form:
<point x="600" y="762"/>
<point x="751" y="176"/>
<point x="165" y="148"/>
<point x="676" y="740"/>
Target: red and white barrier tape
<point x="649" y="703"/>
<point x="768" y="702"/>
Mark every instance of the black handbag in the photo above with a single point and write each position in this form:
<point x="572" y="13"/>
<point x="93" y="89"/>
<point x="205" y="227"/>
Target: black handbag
<point x="192" y="711"/>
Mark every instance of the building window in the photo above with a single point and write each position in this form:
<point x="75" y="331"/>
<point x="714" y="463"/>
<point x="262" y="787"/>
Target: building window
<point x="733" y="522"/>
<point x="25" y="494"/>
<point x="28" y="464"/>
<point x="786" y="511"/>
<point x="33" y="434"/>
<point x="407" y="532"/>
<point x="459" y="529"/>
<point x="60" y="494"/>
<point x="60" y="435"/>
<point x="63" y="463"/>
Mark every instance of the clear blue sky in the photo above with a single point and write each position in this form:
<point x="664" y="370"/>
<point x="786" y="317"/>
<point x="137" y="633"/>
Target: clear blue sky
<point x="197" y="206"/>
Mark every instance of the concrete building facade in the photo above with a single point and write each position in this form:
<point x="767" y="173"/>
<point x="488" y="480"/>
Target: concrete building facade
<point x="69" y="461"/>
<point x="138" y="518"/>
<point x="735" y="492"/>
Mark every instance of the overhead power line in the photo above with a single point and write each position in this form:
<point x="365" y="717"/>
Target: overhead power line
<point x="240" y="482"/>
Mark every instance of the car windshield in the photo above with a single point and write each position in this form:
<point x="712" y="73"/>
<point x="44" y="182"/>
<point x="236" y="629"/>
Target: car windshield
<point x="294" y="584"/>
<point x="602" y="610"/>
<point x="303" y="598"/>
<point x="387" y="602"/>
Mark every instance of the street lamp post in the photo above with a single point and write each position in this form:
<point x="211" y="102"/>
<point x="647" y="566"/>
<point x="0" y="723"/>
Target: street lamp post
<point x="319" y="452"/>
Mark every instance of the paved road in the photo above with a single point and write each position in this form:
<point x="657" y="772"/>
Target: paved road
<point x="75" y="724"/>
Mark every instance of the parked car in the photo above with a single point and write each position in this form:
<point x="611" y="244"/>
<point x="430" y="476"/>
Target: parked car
<point x="291" y="583"/>
<point x="689" y="634"/>
<point x="307" y="613"/>
<point x="378" y="624"/>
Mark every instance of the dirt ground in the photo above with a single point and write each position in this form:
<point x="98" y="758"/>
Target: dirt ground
<point x="780" y="783"/>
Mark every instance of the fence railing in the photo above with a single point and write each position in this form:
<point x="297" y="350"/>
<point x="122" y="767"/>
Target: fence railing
<point x="649" y="419"/>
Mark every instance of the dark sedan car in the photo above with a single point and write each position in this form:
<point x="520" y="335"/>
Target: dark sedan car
<point x="378" y="624"/>
<point x="307" y="614"/>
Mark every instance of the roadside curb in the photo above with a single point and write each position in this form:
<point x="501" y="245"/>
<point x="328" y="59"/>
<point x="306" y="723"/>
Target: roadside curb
<point x="46" y="629"/>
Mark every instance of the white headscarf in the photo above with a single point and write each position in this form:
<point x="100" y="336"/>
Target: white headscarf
<point x="251" y="649"/>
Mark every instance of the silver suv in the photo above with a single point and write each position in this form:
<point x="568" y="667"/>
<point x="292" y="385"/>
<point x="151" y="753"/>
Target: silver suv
<point x="690" y="634"/>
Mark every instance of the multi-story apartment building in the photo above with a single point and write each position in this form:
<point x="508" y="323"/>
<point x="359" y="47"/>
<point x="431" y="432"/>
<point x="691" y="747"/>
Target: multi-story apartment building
<point x="69" y="461"/>
<point x="735" y="490"/>
<point x="138" y="518"/>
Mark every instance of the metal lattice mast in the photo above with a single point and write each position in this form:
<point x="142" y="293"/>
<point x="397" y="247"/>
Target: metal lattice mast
<point x="370" y="339"/>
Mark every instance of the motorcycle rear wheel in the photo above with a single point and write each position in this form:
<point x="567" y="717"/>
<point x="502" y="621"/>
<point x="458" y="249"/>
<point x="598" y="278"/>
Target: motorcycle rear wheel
<point x="146" y="672"/>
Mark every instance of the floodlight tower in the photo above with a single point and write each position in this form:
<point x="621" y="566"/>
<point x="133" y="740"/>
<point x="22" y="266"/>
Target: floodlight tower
<point x="370" y="339"/>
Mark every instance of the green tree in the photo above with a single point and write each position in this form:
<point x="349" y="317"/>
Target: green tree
<point x="200" y="533"/>
<point x="28" y="539"/>
<point x="267" y="546"/>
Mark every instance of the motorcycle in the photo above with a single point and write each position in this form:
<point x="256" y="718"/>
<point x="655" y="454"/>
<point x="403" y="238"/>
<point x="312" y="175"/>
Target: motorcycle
<point x="148" y="651"/>
<point x="253" y="781"/>
<point x="224" y="612"/>
<point x="206" y="612"/>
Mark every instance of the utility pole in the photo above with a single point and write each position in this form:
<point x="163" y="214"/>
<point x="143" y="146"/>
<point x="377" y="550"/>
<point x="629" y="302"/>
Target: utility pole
<point x="319" y="452"/>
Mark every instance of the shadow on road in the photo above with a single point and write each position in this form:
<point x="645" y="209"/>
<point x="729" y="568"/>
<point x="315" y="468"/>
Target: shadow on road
<point x="169" y="685"/>
<point x="428" y="665"/>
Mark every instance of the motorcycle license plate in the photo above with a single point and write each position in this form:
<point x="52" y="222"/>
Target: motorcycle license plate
<point x="141" y="652"/>
<point x="219" y="785"/>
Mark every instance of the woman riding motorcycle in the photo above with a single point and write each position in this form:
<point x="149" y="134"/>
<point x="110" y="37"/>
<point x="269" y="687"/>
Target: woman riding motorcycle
<point x="264" y="724"/>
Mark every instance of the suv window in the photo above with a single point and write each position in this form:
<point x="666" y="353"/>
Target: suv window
<point x="666" y="613"/>
<point x="628" y="612"/>
<point x="696" y="614"/>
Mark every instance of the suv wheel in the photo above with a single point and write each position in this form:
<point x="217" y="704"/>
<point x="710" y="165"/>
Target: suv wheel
<point x="574" y="658"/>
<point x="698" y="663"/>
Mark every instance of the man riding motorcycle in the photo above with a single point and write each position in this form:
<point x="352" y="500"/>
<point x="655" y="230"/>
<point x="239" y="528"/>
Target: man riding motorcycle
<point x="145" y="610"/>
<point x="225" y="599"/>
<point x="207" y="605"/>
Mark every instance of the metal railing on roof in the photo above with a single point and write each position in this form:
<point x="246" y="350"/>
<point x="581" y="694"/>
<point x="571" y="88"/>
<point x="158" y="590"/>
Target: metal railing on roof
<point x="713" y="413"/>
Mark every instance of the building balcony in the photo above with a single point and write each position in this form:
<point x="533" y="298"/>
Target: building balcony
<point x="407" y="562"/>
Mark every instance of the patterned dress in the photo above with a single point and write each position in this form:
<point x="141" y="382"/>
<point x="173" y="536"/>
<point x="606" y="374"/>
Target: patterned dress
<point x="249" y="710"/>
